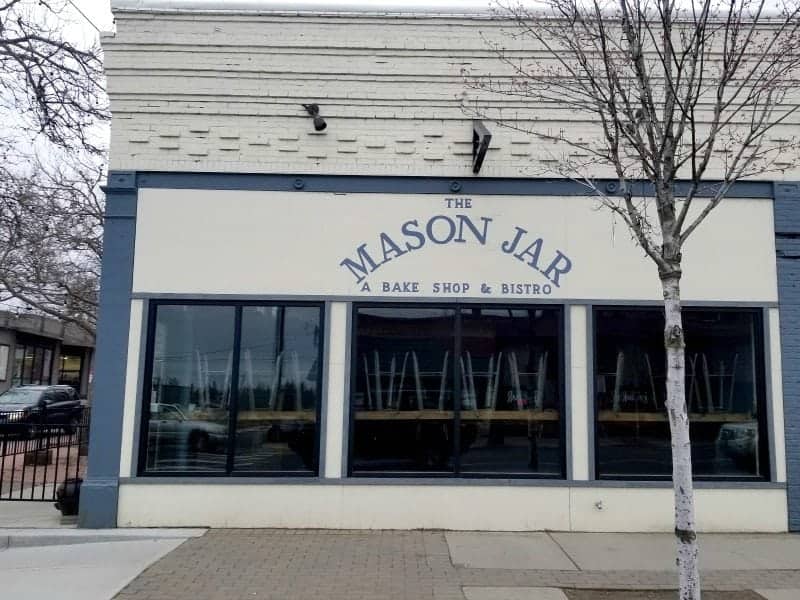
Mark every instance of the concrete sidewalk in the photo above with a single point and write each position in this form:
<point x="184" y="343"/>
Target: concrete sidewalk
<point x="413" y="565"/>
<point x="86" y="571"/>
<point x="42" y="559"/>
<point x="32" y="515"/>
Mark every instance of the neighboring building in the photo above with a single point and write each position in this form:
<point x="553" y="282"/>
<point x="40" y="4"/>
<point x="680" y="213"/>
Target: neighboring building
<point x="39" y="350"/>
<point x="348" y="328"/>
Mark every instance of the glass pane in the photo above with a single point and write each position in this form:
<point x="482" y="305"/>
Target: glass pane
<point x="632" y="431"/>
<point x="38" y="366"/>
<point x="402" y="400"/>
<point x="722" y="365"/>
<point x="27" y="366"/>
<point x="4" y="348"/>
<point x="47" y="365"/>
<point x="279" y="375"/>
<point x="70" y="371"/>
<point x="190" y="388"/>
<point x="70" y="362"/>
<point x="633" y="437"/>
<point x="510" y="391"/>
<point x="19" y="362"/>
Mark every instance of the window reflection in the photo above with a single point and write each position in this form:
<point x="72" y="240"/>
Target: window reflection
<point x="723" y="370"/>
<point x="201" y="381"/>
<point x="510" y="403"/>
<point x="70" y="369"/>
<point x="32" y="364"/>
<point x="28" y="373"/>
<point x="190" y="388"/>
<point x="278" y="389"/>
<point x="403" y="396"/>
<point x="406" y="378"/>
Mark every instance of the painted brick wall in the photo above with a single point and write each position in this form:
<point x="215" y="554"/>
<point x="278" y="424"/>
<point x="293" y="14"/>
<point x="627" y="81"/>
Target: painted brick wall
<point x="787" y="243"/>
<point x="223" y="93"/>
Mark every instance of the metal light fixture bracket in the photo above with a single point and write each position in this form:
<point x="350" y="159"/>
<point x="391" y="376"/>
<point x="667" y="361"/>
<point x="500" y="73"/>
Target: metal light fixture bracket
<point x="480" y="144"/>
<point x="313" y="111"/>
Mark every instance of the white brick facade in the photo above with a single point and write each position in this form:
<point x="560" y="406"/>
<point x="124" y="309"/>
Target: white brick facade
<point x="223" y="92"/>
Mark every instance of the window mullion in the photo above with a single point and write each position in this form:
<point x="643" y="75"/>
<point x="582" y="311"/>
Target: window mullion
<point x="233" y="398"/>
<point x="457" y="393"/>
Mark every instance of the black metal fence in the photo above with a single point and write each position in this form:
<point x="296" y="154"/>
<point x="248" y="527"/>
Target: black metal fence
<point x="37" y="455"/>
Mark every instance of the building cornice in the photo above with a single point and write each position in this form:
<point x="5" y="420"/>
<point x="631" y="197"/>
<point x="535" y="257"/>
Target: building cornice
<point x="441" y="8"/>
<point x="475" y="9"/>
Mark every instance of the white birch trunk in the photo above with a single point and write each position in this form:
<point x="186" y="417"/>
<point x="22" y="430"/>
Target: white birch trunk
<point x="688" y="572"/>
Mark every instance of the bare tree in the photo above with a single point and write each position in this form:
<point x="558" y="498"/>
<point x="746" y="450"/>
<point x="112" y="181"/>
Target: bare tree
<point x="672" y="93"/>
<point x="51" y="225"/>
<point x="52" y="105"/>
<point x="49" y="87"/>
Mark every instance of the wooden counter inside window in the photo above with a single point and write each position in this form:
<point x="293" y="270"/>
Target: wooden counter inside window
<point x="610" y="416"/>
<point x="277" y="415"/>
<point x="482" y="414"/>
<point x="406" y="415"/>
<point x="486" y="414"/>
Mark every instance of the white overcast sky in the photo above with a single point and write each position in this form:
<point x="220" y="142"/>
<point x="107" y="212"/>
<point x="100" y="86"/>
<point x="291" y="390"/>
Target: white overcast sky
<point x="98" y="11"/>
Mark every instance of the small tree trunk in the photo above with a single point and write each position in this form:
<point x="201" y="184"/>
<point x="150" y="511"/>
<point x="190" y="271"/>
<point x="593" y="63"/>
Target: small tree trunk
<point x="688" y="572"/>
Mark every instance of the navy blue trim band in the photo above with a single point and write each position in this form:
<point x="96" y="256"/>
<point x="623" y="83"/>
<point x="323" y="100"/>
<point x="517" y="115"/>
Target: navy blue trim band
<point x="123" y="180"/>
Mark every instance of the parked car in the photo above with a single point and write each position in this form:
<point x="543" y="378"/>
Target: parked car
<point x="25" y="408"/>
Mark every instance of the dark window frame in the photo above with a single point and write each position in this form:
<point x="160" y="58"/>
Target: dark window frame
<point x="230" y="446"/>
<point x="455" y="474"/>
<point x="761" y="374"/>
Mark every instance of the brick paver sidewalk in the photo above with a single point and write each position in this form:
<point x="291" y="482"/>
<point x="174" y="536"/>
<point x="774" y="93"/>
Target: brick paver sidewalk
<point x="380" y="565"/>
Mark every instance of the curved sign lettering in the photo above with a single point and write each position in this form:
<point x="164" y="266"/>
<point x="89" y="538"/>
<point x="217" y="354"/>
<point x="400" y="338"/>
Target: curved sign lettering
<point x="414" y="235"/>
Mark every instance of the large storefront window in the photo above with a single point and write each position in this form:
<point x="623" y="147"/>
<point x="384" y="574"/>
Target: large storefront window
<point x="724" y="394"/>
<point x="233" y="389"/>
<point x="462" y="390"/>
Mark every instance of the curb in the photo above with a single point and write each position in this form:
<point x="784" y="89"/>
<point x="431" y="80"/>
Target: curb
<point x="55" y="537"/>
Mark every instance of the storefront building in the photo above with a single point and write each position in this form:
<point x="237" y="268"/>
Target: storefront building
<point x="348" y="328"/>
<point x="39" y="350"/>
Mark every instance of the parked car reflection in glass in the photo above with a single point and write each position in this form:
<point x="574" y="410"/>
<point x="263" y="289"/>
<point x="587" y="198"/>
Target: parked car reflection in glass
<point x="739" y="442"/>
<point x="179" y="442"/>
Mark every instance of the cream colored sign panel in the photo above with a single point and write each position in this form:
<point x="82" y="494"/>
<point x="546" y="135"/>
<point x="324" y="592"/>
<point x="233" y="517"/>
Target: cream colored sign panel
<point x="431" y="246"/>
